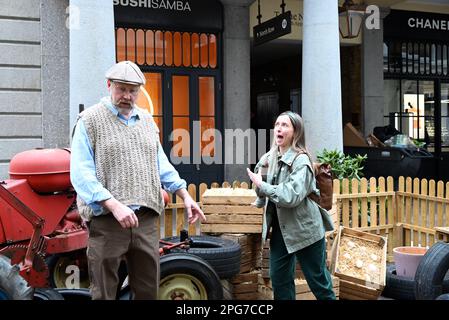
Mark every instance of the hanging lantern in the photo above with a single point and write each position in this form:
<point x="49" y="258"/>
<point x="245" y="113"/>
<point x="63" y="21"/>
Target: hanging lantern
<point x="350" y="20"/>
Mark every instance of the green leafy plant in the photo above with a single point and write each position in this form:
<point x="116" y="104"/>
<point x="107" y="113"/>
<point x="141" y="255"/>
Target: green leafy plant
<point x="343" y="166"/>
<point x="419" y="144"/>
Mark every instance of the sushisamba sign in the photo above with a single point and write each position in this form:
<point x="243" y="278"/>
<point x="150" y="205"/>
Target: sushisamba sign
<point x="178" y="15"/>
<point x="177" y="5"/>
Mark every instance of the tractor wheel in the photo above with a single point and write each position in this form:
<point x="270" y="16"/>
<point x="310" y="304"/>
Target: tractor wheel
<point x="12" y="285"/>
<point x="75" y="294"/>
<point x="68" y="270"/>
<point x="184" y="277"/>
<point x="188" y="277"/>
<point x="222" y="254"/>
<point x="47" y="294"/>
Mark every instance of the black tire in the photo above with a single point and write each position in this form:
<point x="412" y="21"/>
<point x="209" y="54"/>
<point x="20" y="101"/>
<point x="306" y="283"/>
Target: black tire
<point x="431" y="272"/>
<point x="12" y="285"/>
<point x="397" y="287"/>
<point x="444" y="296"/>
<point x="75" y="294"/>
<point x="47" y="294"/>
<point x="222" y="254"/>
<point x="197" y="275"/>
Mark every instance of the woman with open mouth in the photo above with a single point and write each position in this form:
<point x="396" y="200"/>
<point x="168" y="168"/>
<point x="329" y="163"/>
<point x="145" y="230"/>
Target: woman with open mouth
<point x="295" y="220"/>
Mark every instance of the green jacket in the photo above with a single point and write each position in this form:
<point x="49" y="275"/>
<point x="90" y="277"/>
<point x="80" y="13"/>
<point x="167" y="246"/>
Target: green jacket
<point x="300" y="218"/>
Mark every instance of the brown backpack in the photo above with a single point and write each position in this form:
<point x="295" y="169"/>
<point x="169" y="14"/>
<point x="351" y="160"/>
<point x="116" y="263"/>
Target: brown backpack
<point x="323" y="177"/>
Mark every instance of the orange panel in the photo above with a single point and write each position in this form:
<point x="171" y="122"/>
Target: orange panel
<point x="149" y="34"/>
<point x="120" y="39"/>
<point x="177" y="54"/>
<point x="207" y="138"/>
<point x="186" y="55"/>
<point x="195" y="50"/>
<point x="181" y="136"/>
<point x="130" y="45"/>
<point x="159" y="48"/>
<point x="207" y="96"/>
<point x="180" y="95"/>
<point x="168" y="48"/>
<point x="212" y="51"/>
<point x="140" y="35"/>
<point x="204" y="50"/>
<point x="154" y="89"/>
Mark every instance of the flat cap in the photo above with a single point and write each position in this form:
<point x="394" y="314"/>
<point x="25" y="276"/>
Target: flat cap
<point x="126" y="72"/>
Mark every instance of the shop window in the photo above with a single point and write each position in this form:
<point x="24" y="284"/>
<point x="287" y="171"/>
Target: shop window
<point x="445" y="58"/>
<point x="445" y="116"/>
<point x="410" y="108"/>
<point x="150" y="98"/>
<point x="207" y="115"/>
<point x="416" y="58"/>
<point x="167" y="48"/>
<point x="181" y="119"/>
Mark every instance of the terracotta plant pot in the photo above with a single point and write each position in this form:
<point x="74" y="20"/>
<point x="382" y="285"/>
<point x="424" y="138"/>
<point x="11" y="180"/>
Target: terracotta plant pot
<point x="407" y="260"/>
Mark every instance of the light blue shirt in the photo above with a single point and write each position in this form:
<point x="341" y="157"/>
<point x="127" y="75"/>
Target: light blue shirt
<point x="83" y="174"/>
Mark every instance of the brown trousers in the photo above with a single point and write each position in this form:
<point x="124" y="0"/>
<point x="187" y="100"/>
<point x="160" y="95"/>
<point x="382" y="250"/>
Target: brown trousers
<point x="109" y="243"/>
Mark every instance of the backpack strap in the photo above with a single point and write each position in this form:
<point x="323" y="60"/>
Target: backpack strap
<point x="312" y="196"/>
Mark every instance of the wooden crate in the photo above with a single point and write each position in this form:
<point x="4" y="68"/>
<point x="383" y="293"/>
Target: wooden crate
<point x="354" y="291"/>
<point x="360" y="258"/>
<point x="242" y="287"/>
<point x="266" y="263"/>
<point x="251" y="250"/>
<point x="442" y="234"/>
<point x="301" y="287"/>
<point x="229" y="210"/>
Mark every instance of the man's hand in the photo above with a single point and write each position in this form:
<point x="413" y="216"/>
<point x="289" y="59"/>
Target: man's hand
<point x="193" y="210"/>
<point x="256" y="178"/>
<point x="123" y="214"/>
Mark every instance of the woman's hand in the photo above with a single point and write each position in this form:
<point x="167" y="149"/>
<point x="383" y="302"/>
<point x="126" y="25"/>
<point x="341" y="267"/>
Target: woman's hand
<point x="256" y="178"/>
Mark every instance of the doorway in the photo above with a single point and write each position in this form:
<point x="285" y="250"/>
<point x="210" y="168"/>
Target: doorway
<point x="420" y="109"/>
<point x="186" y="107"/>
<point x="183" y="92"/>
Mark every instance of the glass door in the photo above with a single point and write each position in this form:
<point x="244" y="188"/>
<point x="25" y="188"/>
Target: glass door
<point x="150" y="99"/>
<point x="443" y="163"/>
<point x="194" y="142"/>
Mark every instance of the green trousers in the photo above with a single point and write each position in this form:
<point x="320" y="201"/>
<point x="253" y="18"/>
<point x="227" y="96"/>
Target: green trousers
<point x="283" y="266"/>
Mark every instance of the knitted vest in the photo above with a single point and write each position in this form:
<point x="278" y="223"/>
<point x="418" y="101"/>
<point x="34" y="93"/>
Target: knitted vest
<point x="125" y="158"/>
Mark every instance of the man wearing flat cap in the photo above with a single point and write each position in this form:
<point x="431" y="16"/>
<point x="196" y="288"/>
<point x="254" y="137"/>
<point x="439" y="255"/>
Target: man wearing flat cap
<point x="117" y="168"/>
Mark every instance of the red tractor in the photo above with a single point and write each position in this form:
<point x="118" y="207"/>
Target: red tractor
<point x="42" y="237"/>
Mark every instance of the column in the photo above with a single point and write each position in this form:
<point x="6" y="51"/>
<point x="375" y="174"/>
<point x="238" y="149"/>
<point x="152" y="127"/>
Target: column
<point x="55" y="73"/>
<point x="373" y="77"/>
<point x="92" y="51"/>
<point x="236" y="86"/>
<point x="321" y="83"/>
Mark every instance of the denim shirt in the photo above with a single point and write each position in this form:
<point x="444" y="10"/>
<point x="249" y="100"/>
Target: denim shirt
<point x="83" y="174"/>
<point x="300" y="218"/>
